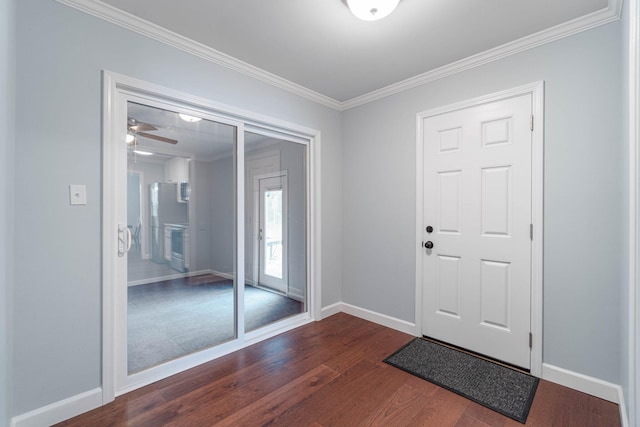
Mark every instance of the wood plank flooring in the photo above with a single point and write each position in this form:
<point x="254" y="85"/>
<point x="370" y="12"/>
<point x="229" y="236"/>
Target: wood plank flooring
<point x="328" y="373"/>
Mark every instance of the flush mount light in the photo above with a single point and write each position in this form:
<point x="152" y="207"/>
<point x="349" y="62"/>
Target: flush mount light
<point x="372" y="10"/>
<point x="143" y="153"/>
<point x="188" y="118"/>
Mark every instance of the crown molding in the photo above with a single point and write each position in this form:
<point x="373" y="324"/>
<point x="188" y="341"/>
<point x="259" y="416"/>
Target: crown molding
<point x="604" y="16"/>
<point x="126" y="20"/>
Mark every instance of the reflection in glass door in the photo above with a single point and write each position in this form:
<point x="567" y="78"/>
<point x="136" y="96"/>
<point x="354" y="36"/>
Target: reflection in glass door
<point x="181" y="280"/>
<point x="271" y="233"/>
<point x="275" y="229"/>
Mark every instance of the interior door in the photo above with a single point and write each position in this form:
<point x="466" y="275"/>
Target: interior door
<point x="476" y="217"/>
<point x="272" y="233"/>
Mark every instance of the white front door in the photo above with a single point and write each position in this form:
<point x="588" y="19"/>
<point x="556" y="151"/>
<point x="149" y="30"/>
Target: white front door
<point x="272" y="232"/>
<point x="476" y="226"/>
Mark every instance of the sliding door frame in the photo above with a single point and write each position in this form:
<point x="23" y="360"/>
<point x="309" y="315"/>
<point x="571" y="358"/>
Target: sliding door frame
<point x="117" y="89"/>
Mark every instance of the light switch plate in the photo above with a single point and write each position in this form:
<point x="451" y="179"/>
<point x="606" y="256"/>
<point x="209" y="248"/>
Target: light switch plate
<point x="77" y="194"/>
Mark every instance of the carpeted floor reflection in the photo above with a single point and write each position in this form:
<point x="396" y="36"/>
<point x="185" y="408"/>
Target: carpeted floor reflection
<point x="170" y="319"/>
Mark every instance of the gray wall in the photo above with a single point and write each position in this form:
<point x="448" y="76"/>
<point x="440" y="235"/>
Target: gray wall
<point x="201" y="203"/>
<point x="368" y="185"/>
<point x="584" y="208"/>
<point x="222" y="196"/>
<point x="60" y="55"/>
<point x="7" y="80"/>
<point x="293" y="161"/>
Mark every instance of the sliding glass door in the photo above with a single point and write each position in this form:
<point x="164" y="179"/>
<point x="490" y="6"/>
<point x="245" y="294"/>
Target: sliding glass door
<point x="181" y="281"/>
<point x="212" y="236"/>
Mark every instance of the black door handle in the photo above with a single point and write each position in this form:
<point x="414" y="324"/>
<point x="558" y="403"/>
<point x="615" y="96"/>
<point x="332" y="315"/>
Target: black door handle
<point x="428" y="244"/>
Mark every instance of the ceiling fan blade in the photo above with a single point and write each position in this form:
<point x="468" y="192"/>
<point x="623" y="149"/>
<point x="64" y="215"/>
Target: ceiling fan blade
<point x="138" y="126"/>
<point x="142" y="127"/>
<point x="158" y="138"/>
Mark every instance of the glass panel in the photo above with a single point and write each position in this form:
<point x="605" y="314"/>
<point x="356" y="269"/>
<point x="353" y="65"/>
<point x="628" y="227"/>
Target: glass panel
<point x="273" y="233"/>
<point x="275" y="229"/>
<point x="181" y="213"/>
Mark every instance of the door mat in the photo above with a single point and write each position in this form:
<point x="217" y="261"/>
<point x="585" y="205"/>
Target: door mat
<point x="494" y="386"/>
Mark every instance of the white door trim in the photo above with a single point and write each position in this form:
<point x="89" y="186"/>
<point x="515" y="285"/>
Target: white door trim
<point x="633" y="362"/>
<point x="536" y="90"/>
<point x="115" y="86"/>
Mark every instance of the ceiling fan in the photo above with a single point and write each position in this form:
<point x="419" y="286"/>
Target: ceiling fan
<point x="136" y="127"/>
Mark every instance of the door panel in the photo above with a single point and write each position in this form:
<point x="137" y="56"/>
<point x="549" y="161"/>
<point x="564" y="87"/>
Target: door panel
<point x="496" y="201"/>
<point x="448" y="282"/>
<point x="477" y="197"/>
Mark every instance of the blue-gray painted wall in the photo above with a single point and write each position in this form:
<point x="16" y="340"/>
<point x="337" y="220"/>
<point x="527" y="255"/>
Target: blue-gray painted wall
<point x="368" y="210"/>
<point x="7" y="83"/>
<point x="584" y="200"/>
<point x="61" y="53"/>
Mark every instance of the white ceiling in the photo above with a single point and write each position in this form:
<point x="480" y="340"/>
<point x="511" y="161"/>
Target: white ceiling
<point x="321" y="46"/>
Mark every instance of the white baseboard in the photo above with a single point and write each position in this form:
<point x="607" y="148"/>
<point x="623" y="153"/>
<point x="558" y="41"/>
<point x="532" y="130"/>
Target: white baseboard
<point x="593" y="386"/>
<point x="589" y="385"/>
<point x="295" y="294"/>
<point x="380" y="319"/>
<point x="218" y="273"/>
<point x="330" y="310"/>
<point x="60" y="411"/>
<point x="624" y="419"/>
<point x="171" y="277"/>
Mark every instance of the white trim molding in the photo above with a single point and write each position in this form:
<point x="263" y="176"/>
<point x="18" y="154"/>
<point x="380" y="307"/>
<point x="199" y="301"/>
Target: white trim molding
<point x="126" y="20"/>
<point x="587" y="22"/>
<point x="330" y="310"/>
<point x="380" y="319"/>
<point x="60" y="411"/>
<point x="633" y="356"/>
<point x="131" y="22"/>
<point x="584" y="383"/>
<point x="589" y="385"/>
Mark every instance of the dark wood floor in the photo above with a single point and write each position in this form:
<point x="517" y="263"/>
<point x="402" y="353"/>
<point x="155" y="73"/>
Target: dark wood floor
<point x="329" y="373"/>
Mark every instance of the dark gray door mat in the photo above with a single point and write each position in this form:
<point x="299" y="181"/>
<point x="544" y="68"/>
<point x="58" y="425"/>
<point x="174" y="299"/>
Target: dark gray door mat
<point x="494" y="386"/>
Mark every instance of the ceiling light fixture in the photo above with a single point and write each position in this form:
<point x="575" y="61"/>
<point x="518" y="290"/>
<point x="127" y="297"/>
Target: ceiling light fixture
<point x="372" y="10"/>
<point x="143" y="153"/>
<point x="188" y="118"/>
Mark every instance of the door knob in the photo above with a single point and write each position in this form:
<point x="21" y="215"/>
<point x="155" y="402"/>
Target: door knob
<point x="428" y="244"/>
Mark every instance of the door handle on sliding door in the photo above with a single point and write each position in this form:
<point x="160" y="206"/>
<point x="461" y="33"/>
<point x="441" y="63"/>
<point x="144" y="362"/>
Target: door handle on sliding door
<point x="124" y="240"/>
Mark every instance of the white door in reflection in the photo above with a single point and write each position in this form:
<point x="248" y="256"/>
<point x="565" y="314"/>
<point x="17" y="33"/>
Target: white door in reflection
<point x="272" y="232"/>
